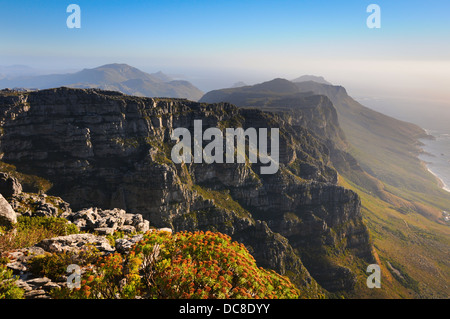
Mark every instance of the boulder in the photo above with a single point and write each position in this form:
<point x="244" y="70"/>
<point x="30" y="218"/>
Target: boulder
<point x="106" y="221"/>
<point x="9" y="186"/>
<point x="7" y="214"/>
<point x="75" y="242"/>
<point x="124" y="245"/>
<point x="29" y="204"/>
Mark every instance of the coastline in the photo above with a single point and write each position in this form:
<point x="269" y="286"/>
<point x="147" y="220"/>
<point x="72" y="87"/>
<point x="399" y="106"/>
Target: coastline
<point x="425" y="164"/>
<point x="440" y="181"/>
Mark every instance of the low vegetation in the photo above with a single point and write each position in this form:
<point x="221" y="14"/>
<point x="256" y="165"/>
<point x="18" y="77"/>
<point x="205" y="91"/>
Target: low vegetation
<point x="162" y="265"/>
<point x="412" y="249"/>
<point x="8" y="288"/>
<point x="31" y="230"/>
<point x="199" y="265"/>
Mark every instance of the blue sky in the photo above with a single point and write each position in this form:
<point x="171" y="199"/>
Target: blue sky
<point x="257" y="38"/>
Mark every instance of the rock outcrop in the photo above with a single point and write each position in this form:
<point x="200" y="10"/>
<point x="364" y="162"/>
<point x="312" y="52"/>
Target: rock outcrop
<point x="9" y="185"/>
<point x="30" y="204"/>
<point x="92" y="238"/>
<point x="8" y="216"/>
<point x="108" y="150"/>
<point x="107" y="221"/>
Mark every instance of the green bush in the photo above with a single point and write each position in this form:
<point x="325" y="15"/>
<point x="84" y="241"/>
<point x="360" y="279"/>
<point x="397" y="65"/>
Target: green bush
<point x="57" y="226"/>
<point x="8" y="288"/>
<point x="54" y="265"/>
<point x="30" y="230"/>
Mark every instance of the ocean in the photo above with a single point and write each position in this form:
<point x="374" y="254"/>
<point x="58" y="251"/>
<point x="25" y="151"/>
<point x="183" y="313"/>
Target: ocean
<point x="431" y="115"/>
<point x="437" y="155"/>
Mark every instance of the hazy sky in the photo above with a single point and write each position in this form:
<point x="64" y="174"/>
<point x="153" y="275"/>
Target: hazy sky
<point x="216" y="43"/>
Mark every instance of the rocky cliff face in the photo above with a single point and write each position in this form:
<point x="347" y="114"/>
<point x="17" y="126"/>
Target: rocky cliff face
<point x="108" y="150"/>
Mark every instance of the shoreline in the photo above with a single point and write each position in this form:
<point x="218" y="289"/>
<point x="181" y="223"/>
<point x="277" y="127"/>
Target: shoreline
<point x="440" y="181"/>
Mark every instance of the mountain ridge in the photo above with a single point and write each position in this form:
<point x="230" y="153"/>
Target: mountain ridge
<point x="377" y="157"/>
<point x="115" y="150"/>
<point x="115" y="77"/>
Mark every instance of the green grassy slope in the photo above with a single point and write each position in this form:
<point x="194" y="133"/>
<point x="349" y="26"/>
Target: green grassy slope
<point x="387" y="149"/>
<point x="412" y="250"/>
<point x="402" y="202"/>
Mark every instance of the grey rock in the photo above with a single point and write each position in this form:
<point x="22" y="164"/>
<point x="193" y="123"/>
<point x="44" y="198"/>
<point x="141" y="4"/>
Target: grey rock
<point x="106" y="221"/>
<point x="36" y="294"/>
<point x="9" y="186"/>
<point x="166" y="229"/>
<point x="19" y="260"/>
<point x="8" y="216"/>
<point x="124" y="245"/>
<point x="143" y="227"/>
<point x="38" y="282"/>
<point x="50" y="285"/>
<point x="24" y="285"/>
<point x="17" y="267"/>
<point x="75" y="242"/>
<point x="127" y="229"/>
<point x="29" y="204"/>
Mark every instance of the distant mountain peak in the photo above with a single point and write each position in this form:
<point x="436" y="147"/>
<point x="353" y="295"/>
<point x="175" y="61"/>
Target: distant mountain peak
<point x="113" y="76"/>
<point x="115" y="66"/>
<point x="277" y="85"/>
<point x="314" y="78"/>
<point x="239" y="84"/>
<point x="162" y="76"/>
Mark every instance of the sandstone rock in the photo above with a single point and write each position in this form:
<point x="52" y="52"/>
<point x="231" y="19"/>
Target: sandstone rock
<point x="107" y="221"/>
<point x="127" y="229"/>
<point x="7" y="214"/>
<point x="17" y="267"/>
<point x="36" y="294"/>
<point x="124" y="245"/>
<point x="9" y="186"/>
<point x="50" y="285"/>
<point x="29" y="204"/>
<point x="38" y="282"/>
<point x="75" y="242"/>
<point x="24" y="285"/>
<point x="19" y="259"/>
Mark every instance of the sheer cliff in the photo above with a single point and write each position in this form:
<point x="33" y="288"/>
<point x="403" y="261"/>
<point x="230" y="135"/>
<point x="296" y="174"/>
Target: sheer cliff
<point x="109" y="150"/>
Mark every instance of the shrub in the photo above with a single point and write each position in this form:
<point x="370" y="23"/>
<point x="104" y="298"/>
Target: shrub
<point x="113" y="277"/>
<point x="183" y="265"/>
<point x="55" y="225"/>
<point x="8" y="288"/>
<point x="31" y="230"/>
<point x="54" y="265"/>
<point x="205" y="265"/>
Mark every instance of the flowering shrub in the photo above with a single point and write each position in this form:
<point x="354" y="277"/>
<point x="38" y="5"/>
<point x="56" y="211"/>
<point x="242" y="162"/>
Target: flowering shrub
<point x="112" y="277"/>
<point x="206" y="265"/>
<point x="182" y="265"/>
